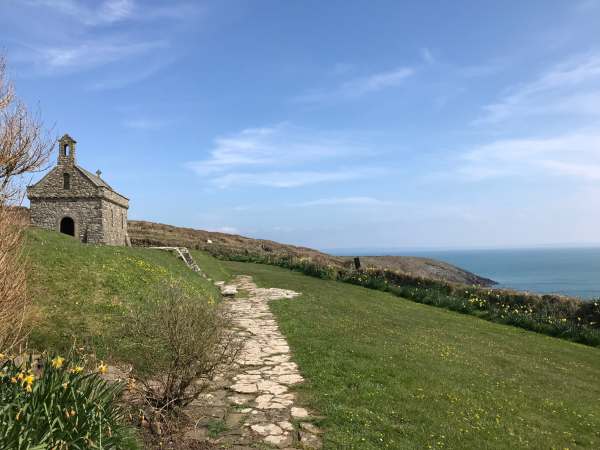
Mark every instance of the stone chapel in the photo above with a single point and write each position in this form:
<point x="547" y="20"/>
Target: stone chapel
<point x="76" y="202"/>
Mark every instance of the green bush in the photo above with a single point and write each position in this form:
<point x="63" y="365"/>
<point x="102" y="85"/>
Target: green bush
<point x="55" y="404"/>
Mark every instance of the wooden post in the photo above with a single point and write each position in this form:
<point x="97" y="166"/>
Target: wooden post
<point x="357" y="263"/>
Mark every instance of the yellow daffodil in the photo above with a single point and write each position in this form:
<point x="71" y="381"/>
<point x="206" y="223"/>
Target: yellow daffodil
<point x="58" y="362"/>
<point x="77" y="369"/>
<point x="102" y="368"/>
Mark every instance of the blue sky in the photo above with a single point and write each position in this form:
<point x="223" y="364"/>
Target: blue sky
<point x="338" y="124"/>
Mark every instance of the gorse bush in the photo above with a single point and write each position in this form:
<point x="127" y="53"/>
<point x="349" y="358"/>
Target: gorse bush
<point x="554" y="315"/>
<point x="55" y="404"/>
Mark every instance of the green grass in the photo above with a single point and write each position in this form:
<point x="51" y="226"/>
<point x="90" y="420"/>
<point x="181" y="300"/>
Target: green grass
<point x="385" y="372"/>
<point x="210" y="266"/>
<point x="388" y="373"/>
<point x="83" y="293"/>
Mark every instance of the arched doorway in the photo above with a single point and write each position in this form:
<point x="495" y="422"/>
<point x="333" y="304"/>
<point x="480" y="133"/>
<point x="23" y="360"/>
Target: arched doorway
<point x="67" y="226"/>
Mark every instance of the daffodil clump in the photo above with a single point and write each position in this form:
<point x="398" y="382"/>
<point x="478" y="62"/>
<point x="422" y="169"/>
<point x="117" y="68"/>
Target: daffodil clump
<point x="54" y="403"/>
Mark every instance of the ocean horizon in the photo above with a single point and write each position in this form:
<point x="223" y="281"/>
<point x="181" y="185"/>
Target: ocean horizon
<point x="567" y="271"/>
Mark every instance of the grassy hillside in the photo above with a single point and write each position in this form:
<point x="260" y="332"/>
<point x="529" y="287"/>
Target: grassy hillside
<point x="154" y="234"/>
<point x="385" y="372"/>
<point x="83" y="293"/>
<point x="389" y="373"/>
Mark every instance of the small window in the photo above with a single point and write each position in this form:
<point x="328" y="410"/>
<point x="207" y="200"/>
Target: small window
<point x="66" y="181"/>
<point x="67" y="150"/>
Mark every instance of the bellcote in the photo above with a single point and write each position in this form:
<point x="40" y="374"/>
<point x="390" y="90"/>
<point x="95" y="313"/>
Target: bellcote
<point x="66" y="150"/>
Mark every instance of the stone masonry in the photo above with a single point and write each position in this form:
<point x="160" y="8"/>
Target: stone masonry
<point x="74" y="201"/>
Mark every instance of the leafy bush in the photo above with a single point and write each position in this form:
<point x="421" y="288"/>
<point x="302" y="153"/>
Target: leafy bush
<point x="55" y="404"/>
<point x="184" y="341"/>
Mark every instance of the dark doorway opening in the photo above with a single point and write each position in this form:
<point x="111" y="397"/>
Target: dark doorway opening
<point x="67" y="226"/>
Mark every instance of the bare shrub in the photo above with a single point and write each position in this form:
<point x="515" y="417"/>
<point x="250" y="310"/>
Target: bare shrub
<point x="23" y="149"/>
<point x="185" y="340"/>
<point x="13" y="295"/>
<point x="24" y="145"/>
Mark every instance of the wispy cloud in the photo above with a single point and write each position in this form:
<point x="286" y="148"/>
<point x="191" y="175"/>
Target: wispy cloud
<point x="283" y="156"/>
<point x="341" y="201"/>
<point x="105" y="12"/>
<point x="78" y="36"/>
<point x="358" y="87"/>
<point x="120" y="79"/>
<point x="427" y="56"/>
<point x="90" y="54"/>
<point x="571" y="87"/>
<point x="293" y="178"/>
<point x="145" y="124"/>
<point x="276" y="146"/>
<point x="225" y="229"/>
<point x="110" y="12"/>
<point x="574" y="155"/>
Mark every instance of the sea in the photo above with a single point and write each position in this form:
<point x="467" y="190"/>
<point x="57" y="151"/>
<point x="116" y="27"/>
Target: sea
<point x="568" y="271"/>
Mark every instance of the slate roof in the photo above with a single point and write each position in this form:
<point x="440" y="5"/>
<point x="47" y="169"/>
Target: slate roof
<point x="94" y="178"/>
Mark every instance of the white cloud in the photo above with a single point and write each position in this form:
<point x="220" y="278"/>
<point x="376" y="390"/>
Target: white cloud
<point x="358" y="87"/>
<point x="226" y="229"/>
<point x="283" y="156"/>
<point x="334" y="201"/>
<point x="292" y="178"/>
<point x="571" y="87"/>
<point x="142" y="123"/>
<point x="121" y="79"/>
<point x="427" y="56"/>
<point x="106" y="12"/>
<point x="78" y="35"/>
<point x="91" y="54"/>
<point x="110" y="12"/>
<point x="574" y="155"/>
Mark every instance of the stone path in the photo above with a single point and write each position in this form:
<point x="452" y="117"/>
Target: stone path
<point x="252" y="405"/>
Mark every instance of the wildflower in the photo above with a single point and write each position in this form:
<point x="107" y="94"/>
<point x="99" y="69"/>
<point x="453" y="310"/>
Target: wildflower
<point x="28" y="382"/>
<point x="77" y="369"/>
<point x="102" y="368"/>
<point x="58" y="362"/>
